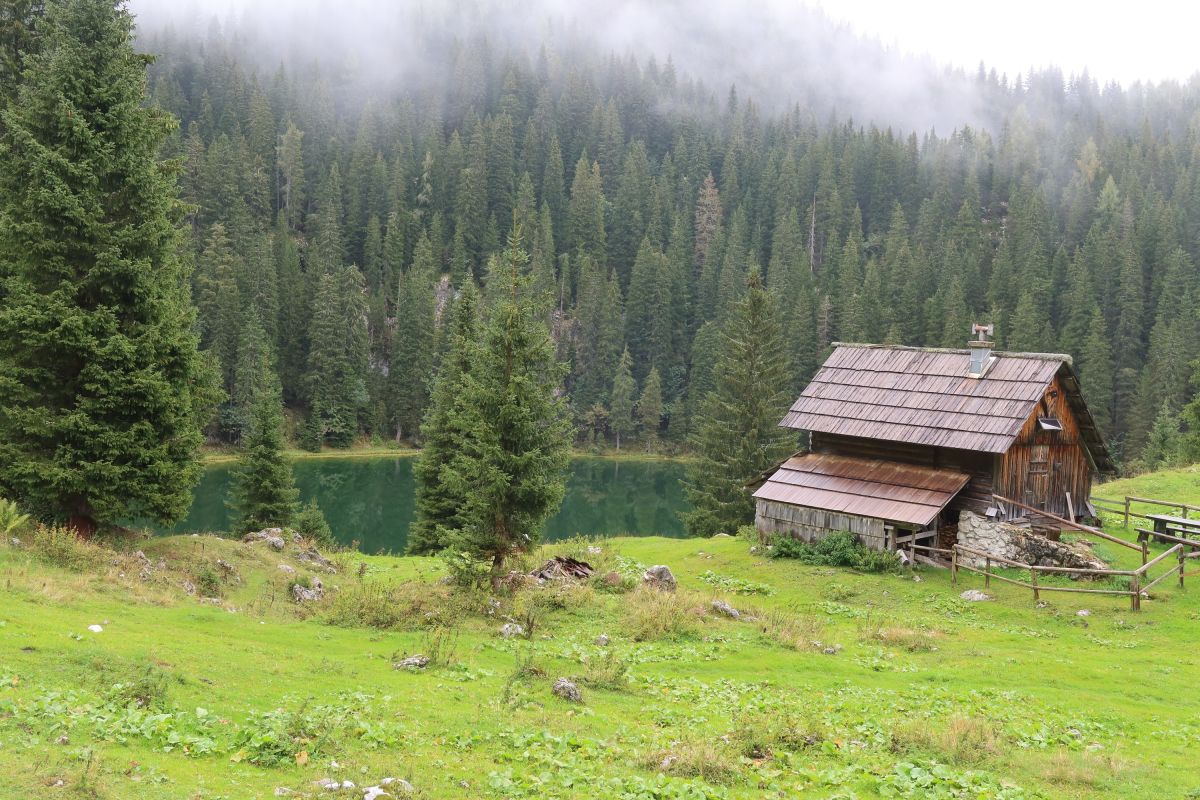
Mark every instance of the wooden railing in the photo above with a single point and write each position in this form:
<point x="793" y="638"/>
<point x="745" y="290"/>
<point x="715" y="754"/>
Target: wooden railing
<point x="1139" y="579"/>
<point x="1123" y="507"/>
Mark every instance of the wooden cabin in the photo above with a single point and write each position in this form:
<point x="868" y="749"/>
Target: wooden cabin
<point x="901" y="439"/>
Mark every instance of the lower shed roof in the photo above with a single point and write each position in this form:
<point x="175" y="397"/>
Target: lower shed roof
<point x="863" y="487"/>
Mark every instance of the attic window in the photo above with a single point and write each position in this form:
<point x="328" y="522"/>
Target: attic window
<point x="1049" y="424"/>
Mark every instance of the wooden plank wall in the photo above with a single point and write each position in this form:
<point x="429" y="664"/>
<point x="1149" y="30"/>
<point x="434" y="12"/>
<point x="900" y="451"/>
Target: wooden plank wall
<point x="976" y="496"/>
<point x="1042" y="466"/>
<point x="772" y="518"/>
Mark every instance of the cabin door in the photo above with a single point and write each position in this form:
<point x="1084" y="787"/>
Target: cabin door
<point x="1037" y="477"/>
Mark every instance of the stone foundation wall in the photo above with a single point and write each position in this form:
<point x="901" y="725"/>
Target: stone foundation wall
<point x="1020" y="544"/>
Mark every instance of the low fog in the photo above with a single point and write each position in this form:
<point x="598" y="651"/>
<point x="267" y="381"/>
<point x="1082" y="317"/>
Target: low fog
<point x="779" y="54"/>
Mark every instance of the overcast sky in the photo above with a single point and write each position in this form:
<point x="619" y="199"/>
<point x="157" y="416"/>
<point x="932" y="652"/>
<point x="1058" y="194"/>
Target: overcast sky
<point x="1123" y="41"/>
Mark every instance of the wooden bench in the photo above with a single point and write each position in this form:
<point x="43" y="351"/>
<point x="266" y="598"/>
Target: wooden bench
<point x="1164" y="522"/>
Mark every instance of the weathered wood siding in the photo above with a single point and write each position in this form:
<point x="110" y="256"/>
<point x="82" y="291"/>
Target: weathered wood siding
<point x="1042" y="466"/>
<point x="773" y="519"/>
<point x="977" y="495"/>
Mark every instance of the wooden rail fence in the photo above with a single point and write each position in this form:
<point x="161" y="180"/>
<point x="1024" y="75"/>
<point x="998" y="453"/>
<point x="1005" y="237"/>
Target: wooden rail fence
<point x="1139" y="579"/>
<point x="1123" y="507"/>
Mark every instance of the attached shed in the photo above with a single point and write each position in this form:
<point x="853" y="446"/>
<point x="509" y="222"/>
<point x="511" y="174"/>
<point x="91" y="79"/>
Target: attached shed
<point x="903" y="438"/>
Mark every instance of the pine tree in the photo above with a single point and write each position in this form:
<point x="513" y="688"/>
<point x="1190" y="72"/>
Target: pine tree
<point x="737" y="436"/>
<point x="336" y="379"/>
<point x="439" y="506"/>
<point x="511" y="467"/>
<point x="1163" y="449"/>
<point x="102" y="389"/>
<point x="412" y="345"/>
<point x="621" y="402"/>
<point x="264" y="489"/>
<point x="1096" y="372"/>
<point x="650" y="408"/>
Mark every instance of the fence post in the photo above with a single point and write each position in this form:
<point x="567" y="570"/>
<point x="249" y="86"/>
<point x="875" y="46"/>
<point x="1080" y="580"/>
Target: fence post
<point x="1135" y="592"/>
<point x="1033" y="582"/>
<point x="1182" y="564"/>
<point x="987" y="572"/>
<point x="1145" y="553"/>
<point x="954" y="566"/>
<point x="1126" y="511"/>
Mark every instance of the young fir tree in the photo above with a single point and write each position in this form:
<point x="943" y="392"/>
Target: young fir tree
<point x="1164" y="445"/>
<point x="650" y="408"/>
<point x="621" y="404"/>
<point x="737" y="434"/>
<point x="439" y="508"/>
<point x="511" y="465"/>
<point x="102" y="390"/>
<point x="337" y="360"/>
<point x="412" y="343"/>
<point x="264" y="490"/>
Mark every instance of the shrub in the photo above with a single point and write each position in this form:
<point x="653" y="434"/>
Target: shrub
<point x="838" y="549"/>
<point x="208" y="581"/>
<point x="409" y="605"/>
<point x="963" y="740"/>
<point x="693" y="758"/>
<point x="145" y="688"/>
<point x="790" y="630"/>
<point x="62" y="547"/>
<point x="11" y="518"/>
<point x="651" y="614"/>
<point x="760" y="733"/>
<point x="607" y="671"/>
<point x="311" y="524"/>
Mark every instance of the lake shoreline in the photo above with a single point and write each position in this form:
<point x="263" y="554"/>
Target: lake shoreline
<point x="215" y="456"/>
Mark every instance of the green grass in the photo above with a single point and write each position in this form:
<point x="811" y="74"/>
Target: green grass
<point x="922" y="694"/>
<point x="1174" y="485"/>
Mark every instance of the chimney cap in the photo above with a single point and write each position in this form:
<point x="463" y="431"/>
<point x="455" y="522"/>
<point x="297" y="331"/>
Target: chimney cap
<point x="982" y="331"/>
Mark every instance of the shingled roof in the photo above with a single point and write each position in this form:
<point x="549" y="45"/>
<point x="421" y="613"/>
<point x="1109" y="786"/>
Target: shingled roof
<point x="925" y="396"/>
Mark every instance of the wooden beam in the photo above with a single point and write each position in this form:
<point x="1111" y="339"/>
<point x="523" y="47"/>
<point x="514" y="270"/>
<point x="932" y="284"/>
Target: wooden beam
<point x="1069" y="523"/>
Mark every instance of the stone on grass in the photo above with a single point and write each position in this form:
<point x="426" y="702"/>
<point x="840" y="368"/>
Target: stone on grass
<point x="723" y="608"/>
<point x="659" y="577"/>
<point x="272" y="536"/>
<point x="313" y="556"/>
<point x="567" y="691"/>
<point x="283" y="791"/>
<point x="308" y="594"/>
<point x="287" y="569"/>
<point x="602" y="640"/>
<point x="15" y="542"/>
<point x="95" y="628"/>
<point x="1083" y="612"/>
<point x="510" y="629"/>
<point x="1014" y="543"/>
<point x="975" y="596"/>
<point x="328" y="784"/>
<point x="417" y="661"/>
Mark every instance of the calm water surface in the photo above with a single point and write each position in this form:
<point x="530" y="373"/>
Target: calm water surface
<point x="370" y="500"/>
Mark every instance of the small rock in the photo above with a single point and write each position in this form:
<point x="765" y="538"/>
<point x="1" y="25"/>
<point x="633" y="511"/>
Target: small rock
<point x="287" y="570"/>
<point x="375" y="792"/>
<point x="721" y="607"/>
<point x="659" y="577"/>
<point x="975" y="596"/>
<point x="15" y="542"/>
<point x="510" y="629"/>
<point x="307" y="594"/>
<point x="417" y="661"/>
<point x="831" y="651"/>
<point x="666" y="763"/>
<point x="593" y="550"/>
<point x="272" y="536"/>
<point x="602" y="640"/>
<point x="283" y="791"/>
<point x="721" y="536"/>
<point x="314" y="556"/>
<point x="95" y="628"/>
<point x="567" y="691"/>
<point x="328" y="784"/>
<point x="347" y="784"/>
<point x="64" y="739"/>
<point x="1042" y="604"/>
<point x="1083" y="612"/>
<point x="188" y="586"/>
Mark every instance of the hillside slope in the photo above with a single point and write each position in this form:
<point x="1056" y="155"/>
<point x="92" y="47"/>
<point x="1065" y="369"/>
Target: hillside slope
<point x="841" y="685"/>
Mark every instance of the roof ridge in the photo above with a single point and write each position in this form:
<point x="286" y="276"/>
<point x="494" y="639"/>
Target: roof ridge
<point x="1064" y="357"/>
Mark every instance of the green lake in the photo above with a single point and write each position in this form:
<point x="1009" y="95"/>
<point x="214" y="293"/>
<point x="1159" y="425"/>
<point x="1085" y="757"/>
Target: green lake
<point x="370" y="500"/>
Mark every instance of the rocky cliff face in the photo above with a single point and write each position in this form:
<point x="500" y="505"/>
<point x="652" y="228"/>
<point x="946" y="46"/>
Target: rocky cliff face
<point x="1020" y="544"/>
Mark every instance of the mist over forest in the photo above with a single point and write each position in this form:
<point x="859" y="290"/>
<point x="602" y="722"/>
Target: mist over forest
<point x="650" y="156"/>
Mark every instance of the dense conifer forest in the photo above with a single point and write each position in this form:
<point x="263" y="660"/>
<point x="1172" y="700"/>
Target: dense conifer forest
<point x="333" y="222"/>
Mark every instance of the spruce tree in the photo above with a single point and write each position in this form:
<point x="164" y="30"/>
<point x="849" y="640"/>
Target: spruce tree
<point x="102" y="390"/>
<point x="621" y="404"/>
<point x="737" y="435"/>
<point x="264" y="489"/>
<point x="511" y="466"/>
<point x="439" y="507"/>
<point x="336" y="379"/>
<point x="650" y="408"/>
<point x="412" y="343"/>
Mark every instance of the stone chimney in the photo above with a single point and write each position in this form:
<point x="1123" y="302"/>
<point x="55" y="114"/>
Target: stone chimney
<point x="981" y="349"/>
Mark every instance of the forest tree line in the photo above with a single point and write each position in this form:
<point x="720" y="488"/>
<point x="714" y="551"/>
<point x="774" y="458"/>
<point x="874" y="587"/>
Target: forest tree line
<point x="335" y="229"/>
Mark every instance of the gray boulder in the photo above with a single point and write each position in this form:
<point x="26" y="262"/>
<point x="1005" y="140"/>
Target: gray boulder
<point x="975" y="596"/>
<point x="659" y="577"/>
<point x="567" y="691"/>
<point x="417" y="661"/>
<point x="272" y="536"/>
<point x="510" y="629"/>
<point x="723" y="608"/>
<point x="307" y="594"/>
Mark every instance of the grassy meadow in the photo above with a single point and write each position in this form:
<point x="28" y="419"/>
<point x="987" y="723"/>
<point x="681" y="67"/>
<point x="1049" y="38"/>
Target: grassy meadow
<point x="832" y="684"/>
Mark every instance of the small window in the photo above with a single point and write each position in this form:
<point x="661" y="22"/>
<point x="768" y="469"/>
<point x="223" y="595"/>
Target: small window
<point x="1049" y="424"/>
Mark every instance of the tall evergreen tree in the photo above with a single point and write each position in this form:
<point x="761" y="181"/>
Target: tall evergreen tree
<point x="440" y="506"/>
<point x="512" y="466"/>
<point x="621" y="403"/>
<point x="650" y="408"/>
<point x="737" y="434"/>
<point x="412" y="345"/>
<point x="264" y="489"/>
<point x="102" y="390"/>
<point x="336" y="379"/>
